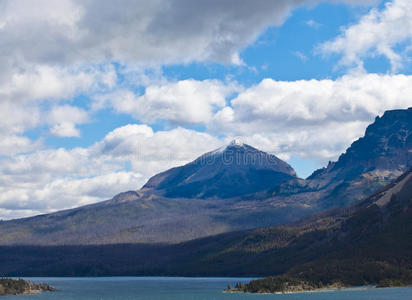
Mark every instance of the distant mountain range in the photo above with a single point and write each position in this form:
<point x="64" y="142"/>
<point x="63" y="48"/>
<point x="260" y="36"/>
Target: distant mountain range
<point x="233" y="188"/>
<point x="366" y="243"/>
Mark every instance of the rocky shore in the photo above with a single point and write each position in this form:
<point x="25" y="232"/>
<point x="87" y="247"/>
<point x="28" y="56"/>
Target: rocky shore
<point x="10" y="286"/>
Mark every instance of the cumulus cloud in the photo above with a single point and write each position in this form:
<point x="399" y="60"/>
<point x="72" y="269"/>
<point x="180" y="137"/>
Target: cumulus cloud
<point x="27" y="93"/>
<point x="72" y="31"/>
<point x="42" y="82"/>
<point x="11" y="144"/>
<point x="64" y="119"/>
<point x="313" y="118"/>
<point x="386" y="32"/>
<point x="181" y="102"/>
<point x="151" y="152"/>
<point x="65" y="129"/>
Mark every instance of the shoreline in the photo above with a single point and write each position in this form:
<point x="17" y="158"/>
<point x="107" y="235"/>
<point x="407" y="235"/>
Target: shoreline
<point x="320" y="290"/>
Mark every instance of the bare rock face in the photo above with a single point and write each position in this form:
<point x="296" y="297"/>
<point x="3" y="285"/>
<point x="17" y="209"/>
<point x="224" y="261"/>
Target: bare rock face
<point x="383" y="154"/>
<point x="386" y="146"/>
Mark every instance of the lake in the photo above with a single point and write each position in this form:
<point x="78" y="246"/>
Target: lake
<point x="171" y="288"/>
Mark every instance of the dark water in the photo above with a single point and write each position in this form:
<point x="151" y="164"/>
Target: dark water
<point x="161" y="288"/>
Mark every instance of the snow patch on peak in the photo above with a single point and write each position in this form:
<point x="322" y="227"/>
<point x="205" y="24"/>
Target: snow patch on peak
<point x="237" y="142"/>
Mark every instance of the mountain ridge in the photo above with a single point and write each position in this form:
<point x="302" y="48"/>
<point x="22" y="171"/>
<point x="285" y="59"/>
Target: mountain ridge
<point x="381" y="155"/>
<point x="352" y="246"/>
<point x="153" y="215"/>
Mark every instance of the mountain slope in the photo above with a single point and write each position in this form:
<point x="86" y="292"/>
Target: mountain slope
<point x="367" y="243"/>
<point x="151" y="215"/>
<point x="370" y="247"/>
<point x="231" y="171"/>
<point x="371" y="236"/>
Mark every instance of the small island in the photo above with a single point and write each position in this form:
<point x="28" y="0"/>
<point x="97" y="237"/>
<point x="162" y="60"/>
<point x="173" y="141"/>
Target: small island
<point x="10" y="286"/>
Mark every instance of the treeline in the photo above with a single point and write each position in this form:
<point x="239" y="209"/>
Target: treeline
<point x="10" y="286"/>
<point x="332" y="274"/>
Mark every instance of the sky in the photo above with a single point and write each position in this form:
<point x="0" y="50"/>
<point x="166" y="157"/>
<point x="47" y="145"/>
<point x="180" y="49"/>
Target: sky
<point x="97" y="96"/>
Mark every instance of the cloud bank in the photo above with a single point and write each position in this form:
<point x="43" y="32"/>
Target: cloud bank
<point x="386" y="33"/>
<point x="158" y="31"/>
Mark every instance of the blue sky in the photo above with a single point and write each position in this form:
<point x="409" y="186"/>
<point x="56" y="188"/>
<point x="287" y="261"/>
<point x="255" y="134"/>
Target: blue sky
<point x="95" y="99"/>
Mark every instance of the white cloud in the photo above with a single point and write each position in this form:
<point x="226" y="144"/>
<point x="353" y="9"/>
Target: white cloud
<point x="67" y="192"/>
<point x="181" y="102"/>
<point x="386" y="32"/>
<point x="25" y="94"/>
<point x="42" y="82"/>
<point x="11" y="144"/>
<point x="15" y="118"/>
<point x="312" y="118"/>
<point x="65" y="129"/>
<point x="159" y="31"/>
<point x="150" y="152"/>
<point x="64" y="119"/>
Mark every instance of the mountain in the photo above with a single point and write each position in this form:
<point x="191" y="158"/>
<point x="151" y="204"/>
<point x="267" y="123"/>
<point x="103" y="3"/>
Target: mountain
<point x="233" y="188"/>
<point x="199" y="199"/>
<point x="366" y="243"/>
<point x="372" y="161"/>
<point x="231" y="171"/>
<point x="362" y="244"/>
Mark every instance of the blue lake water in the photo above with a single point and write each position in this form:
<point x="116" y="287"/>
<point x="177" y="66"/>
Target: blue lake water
<point x="169" y="288"/>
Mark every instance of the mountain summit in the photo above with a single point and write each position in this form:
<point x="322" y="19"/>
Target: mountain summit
<point x="387" y="145"/>
<point x="372" y="161"/>
<point x="232" y="170"/>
